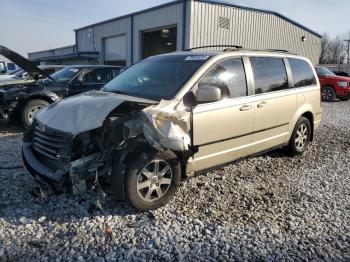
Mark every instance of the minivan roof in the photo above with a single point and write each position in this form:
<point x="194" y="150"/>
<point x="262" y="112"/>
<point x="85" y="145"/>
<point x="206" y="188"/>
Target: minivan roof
<point x="239" y="51"/>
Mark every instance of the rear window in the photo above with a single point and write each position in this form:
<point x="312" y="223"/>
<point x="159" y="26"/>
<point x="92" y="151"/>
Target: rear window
<point x="269" y="74"/>
<point x="303" y="75"/>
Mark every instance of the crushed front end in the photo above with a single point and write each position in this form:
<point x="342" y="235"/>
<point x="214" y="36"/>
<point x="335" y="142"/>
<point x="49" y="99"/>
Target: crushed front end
<point x="71" y="142"/>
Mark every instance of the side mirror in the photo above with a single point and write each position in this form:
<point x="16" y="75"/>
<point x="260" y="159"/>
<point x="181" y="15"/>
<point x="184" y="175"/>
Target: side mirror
<point x="189" y="99"/>
<point x="206" y="94"/>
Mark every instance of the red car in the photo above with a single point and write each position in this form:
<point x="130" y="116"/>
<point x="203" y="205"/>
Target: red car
<point x="333" y="86"/>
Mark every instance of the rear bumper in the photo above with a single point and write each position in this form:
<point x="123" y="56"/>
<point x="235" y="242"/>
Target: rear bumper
<point x="36" y="169"/>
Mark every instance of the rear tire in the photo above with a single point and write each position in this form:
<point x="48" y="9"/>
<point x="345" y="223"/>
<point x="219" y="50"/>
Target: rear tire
<point x="300" y="137"/>
<point x="30" y="109"/>
<point x="328" y="94"/>
<point x="152" y="179"/>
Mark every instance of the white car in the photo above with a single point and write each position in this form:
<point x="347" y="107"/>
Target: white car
<point x="8" y="68"/>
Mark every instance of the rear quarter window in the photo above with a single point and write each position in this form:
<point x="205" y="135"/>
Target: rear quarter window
<point x="303" y="75"/>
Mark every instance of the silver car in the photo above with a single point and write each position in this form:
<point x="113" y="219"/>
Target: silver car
<point x="173" y="115"/>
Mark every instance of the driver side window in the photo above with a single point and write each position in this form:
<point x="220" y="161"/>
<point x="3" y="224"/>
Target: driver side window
<point x="99" y="76"/>
<point x="228" y="76"/>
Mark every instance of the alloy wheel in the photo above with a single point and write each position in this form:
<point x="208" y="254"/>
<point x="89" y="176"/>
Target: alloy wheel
<point x="301" y="137"/>
<point x="327" y="94"/>
<point x="154" y="180"/>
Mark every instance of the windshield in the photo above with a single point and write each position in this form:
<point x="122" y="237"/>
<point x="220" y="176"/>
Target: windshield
<point x="64" y="75"/>
<point x="322" y="71"/>
<point x="156" y="78"/>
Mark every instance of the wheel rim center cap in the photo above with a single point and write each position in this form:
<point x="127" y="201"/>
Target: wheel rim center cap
<point x="154" y="179"/>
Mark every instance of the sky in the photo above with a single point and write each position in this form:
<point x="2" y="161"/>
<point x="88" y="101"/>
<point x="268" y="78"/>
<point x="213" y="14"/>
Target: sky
<point x="34" y="25"/>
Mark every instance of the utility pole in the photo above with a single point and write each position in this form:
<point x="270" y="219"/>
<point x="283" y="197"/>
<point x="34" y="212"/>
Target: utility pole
<point x="348" y="41"/>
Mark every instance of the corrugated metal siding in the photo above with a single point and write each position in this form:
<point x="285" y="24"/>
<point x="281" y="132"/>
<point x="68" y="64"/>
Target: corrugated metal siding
<point x="251" y="29"/>
<point x="40" y="54"/>
<point x="171" y="15"/>
<point x="91" y="39"/>
<point x="52" y="52"/>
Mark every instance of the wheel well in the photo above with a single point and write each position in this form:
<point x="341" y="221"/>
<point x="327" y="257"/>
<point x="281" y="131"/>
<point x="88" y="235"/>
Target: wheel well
<point x="45" y="98"/>
<point x="310" y="117"/>
<point x="328" y="85"/>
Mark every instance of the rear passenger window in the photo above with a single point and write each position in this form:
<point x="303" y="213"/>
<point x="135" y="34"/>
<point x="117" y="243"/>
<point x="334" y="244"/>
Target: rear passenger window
<point x="303" y="75"/>
<point x="229" y="76"/>
<point x="269" y="74"/>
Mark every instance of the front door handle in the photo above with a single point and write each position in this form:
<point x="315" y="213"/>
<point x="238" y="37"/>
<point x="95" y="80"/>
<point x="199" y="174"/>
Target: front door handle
<point x="245" y="108"/>
<point x="262" y="104"/>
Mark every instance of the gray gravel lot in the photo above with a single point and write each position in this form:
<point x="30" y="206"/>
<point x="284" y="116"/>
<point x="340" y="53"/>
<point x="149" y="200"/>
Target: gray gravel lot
<point x="270" y="207"/>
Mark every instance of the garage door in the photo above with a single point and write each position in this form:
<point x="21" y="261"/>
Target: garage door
<point x="115" y="50"/>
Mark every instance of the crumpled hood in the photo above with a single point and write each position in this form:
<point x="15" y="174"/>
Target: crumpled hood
<point x="83" y="112"/>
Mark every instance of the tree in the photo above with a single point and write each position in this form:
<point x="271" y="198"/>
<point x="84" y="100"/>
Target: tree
<point x="333" y="51"/>
<point x="324" y="48"/>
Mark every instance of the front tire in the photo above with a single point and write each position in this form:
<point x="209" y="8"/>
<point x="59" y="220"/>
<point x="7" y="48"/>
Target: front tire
<point x="328" y="94"/>
<point x="30" y="110"/>
<point x="300" y="137"/>
<point x="152" y="179"/>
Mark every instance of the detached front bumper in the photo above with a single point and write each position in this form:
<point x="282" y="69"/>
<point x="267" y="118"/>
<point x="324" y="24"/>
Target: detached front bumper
<point x="36" y="169"/>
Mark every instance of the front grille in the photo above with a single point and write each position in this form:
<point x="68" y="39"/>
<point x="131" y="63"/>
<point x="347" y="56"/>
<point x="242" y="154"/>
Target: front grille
<point x="52" y="144"/>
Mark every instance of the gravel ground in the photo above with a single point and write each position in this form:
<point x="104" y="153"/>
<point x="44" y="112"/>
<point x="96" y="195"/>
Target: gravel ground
<point x="270" y="207"/>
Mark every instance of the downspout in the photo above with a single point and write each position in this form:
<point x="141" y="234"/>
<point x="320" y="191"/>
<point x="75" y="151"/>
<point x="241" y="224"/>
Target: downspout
<point x="132" y="40"/>
<point x="76" y="42"/>
<point x="184" y="21"/>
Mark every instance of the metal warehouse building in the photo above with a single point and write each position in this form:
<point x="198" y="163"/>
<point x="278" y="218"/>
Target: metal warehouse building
<point x="180" y="25"/>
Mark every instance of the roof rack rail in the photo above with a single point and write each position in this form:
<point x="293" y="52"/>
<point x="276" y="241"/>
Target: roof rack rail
<point x="228" y="47"/>
<point x="277" y="50"/>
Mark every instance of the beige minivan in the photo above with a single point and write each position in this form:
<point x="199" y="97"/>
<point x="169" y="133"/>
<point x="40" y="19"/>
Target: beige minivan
<point x="173" y="115"/>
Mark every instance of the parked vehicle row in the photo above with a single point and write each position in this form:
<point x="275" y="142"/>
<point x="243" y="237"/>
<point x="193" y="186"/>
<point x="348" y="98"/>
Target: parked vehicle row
<point x="21" y="74"/>
<point x="169" y="116"/>
<point x="25" y="97"/>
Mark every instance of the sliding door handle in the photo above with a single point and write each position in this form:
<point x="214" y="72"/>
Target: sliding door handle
<point x="262" y="104"/>
<point x="245" y="108"/>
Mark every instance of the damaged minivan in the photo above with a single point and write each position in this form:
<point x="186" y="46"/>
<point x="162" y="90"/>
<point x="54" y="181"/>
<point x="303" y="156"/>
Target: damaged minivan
<point x="171" y="116"/>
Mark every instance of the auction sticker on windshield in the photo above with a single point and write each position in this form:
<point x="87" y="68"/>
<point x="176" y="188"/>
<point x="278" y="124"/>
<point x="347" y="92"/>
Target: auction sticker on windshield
<point x="197" y="58"/>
